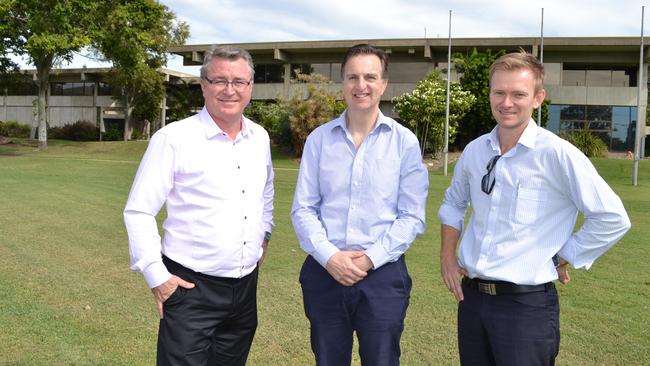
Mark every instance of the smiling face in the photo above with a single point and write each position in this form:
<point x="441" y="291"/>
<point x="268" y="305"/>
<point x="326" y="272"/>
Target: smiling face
<point x="363" y="82"/>
<point x="513" y="97"/>
<point x="226" y="105"/>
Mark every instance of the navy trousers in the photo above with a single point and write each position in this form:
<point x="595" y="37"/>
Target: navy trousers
<point x="211" y="324"/>
<point x="374" y="308"/>
<point x="509" y="330"/>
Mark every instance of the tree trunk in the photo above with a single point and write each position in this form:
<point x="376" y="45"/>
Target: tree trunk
<point x="128" y="127"/>
<point x="43" y="69"/>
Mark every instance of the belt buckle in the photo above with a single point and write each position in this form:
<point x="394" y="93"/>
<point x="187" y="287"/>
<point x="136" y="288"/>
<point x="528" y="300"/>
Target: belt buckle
<point x="487" y="288"/>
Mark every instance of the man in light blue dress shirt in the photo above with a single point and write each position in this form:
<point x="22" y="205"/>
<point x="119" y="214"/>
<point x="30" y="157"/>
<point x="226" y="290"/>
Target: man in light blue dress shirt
<point x="526" y="187"/>
<point x="359" y="204"/>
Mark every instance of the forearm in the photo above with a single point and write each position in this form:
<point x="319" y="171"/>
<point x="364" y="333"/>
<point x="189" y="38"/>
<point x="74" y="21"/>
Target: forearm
<point x="449" y="242"/>
<point x="397" y="239"/>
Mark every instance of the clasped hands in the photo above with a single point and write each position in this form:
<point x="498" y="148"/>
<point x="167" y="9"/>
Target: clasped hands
<point x="349" y="267"/>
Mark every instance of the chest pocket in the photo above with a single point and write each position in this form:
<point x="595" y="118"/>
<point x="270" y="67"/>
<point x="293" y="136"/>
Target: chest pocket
<point x="384" y="178"/>
<point x="528" y="206"/>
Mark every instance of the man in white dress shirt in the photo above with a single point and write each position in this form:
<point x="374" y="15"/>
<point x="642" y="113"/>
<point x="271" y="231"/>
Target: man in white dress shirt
<point x="526" y="187"/>
<point x="213" y="171"/>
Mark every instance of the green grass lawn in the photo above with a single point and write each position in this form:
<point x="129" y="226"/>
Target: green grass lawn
<point x="68" y="296"/>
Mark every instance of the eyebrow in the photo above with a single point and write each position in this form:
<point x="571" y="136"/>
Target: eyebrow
<point x="363" y="74"/>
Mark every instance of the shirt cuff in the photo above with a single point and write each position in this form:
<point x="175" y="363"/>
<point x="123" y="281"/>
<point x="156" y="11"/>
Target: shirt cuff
<point x="156" y="274"/>
<point x="377" y="255"/>
<point x="568" y="253"/>
<point x="451" y="216"/>
<point x="323" y="255"/>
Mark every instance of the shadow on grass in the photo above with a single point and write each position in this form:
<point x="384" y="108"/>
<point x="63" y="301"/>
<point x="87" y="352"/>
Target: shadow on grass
<point x="16" y="147"/>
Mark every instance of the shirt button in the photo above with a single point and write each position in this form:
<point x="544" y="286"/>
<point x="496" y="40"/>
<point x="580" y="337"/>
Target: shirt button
<point x="242" y="191"/>
<point x="245" y="217"/>
<point x="244" y="243"/>
<point x="238" y="167"/>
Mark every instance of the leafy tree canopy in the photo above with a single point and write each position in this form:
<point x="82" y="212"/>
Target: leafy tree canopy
<point x="424" y="110"/>
<point x="131" y="34"/>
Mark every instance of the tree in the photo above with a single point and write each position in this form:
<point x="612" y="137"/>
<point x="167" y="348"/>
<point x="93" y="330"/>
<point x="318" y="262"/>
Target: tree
<point x="135" y="37"/>
<point x="274" y="117"/>
<point x="47" y="32"/>
<point x="424" y="109"/>
<point x="141" y="89"/>
<point x="129" y="33"/>
<point x="475" y="70"/>
<point x="308" y="112"/>
<point x="183" y="100"/>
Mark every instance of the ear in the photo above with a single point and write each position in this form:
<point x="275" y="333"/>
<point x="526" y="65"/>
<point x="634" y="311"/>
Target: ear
<point x="384" y="84"/>
<point x="539" y="98"/>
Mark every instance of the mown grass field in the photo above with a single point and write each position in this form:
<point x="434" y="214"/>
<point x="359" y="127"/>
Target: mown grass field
<point x="68" y="297"/>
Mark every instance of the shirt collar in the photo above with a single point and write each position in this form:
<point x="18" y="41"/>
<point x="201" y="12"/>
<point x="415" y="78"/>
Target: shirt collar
<point x="381" y="121"/>
<point x="212" y="130"/>
<point x="526" y="139"/>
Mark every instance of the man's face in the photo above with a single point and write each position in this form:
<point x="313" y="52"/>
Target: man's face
<point x="513" y="97"/>
<point x="225" y="104"/>
<point x="363" y="84"/>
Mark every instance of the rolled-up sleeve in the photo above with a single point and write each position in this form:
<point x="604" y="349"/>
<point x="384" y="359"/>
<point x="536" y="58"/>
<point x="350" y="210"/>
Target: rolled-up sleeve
<point x="605" y="218"/>
<point x="456" y="199"/>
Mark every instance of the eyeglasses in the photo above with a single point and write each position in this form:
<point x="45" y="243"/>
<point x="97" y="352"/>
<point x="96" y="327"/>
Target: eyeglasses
<point x="487" y="183"/>
<point x="237" y="84"/>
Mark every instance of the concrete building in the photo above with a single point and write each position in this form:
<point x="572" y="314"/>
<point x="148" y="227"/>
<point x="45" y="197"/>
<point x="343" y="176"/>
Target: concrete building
<point x="590" y="81"/>
<point x="74" y="95"/>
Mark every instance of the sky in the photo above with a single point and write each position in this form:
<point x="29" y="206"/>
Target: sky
<point x="236" y="21"/>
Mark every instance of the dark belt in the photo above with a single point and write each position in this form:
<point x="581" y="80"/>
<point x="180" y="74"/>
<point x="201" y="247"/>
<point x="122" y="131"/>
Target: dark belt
<point x="504" y="288"/>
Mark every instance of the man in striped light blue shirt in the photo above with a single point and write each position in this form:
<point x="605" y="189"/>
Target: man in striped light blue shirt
<point x="359" y="204"/>
<point x="526" y="187"/>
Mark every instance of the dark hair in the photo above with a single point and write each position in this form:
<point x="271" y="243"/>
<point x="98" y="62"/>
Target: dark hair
<point x="229" y="53"/>
<point x="366" y="49"/>
<point x="517" y="61"/>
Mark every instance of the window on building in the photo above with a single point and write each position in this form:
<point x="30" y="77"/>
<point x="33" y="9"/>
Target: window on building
<point x="574" y="78"/>
<point x="104" y="89"/>
<point x="300" y="68"/>
<point x="409" y="72"/>
<point x="269" y="73"/>
<point x="72" y="89"/>
<point x="615" y="125"/>
<point x="323" y="69"/>
<point x="578" y="76"/>
<point x="19" y="88"/>
<point x="331" y="71"/>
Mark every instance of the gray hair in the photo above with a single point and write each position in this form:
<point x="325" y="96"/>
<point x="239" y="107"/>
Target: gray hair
<point x="228" y="53"/>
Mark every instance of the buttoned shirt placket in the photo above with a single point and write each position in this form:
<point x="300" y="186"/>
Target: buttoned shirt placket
<point x="241" y="193"/>
<point x="496" y="198"/>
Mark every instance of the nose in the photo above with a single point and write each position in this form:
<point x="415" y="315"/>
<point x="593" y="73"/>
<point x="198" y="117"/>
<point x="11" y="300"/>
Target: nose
<point x="507" y="101"/>
<point x="229" y="89"/>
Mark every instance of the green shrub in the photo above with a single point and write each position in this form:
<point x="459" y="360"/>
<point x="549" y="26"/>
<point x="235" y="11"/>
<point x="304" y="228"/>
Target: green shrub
<point x="274" y="117"/>
<point x="14" y="129"/>
<point x="590" y="144"/>
<point x="113" y="133"/>
<point x="78" y="131"/>
<point x="306" y="112"/>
